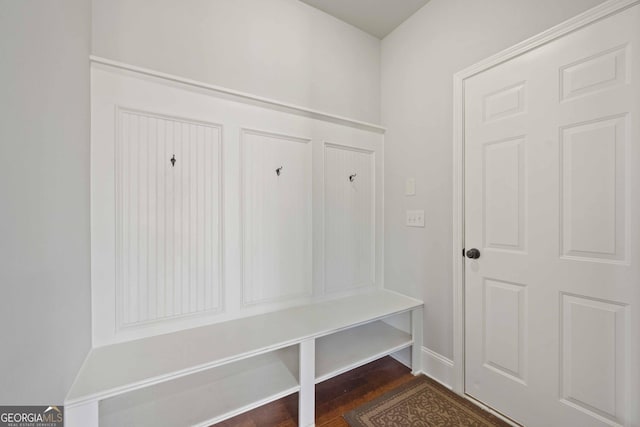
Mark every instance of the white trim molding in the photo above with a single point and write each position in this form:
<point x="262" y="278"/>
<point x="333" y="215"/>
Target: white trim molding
<point x="372" y="281"/>
<point x="434" y="365"/>
<point x="238" y="95"/>
<point x="590" y="16"/>
<point x="303" y="291"/>
<point x="437" y="367"/>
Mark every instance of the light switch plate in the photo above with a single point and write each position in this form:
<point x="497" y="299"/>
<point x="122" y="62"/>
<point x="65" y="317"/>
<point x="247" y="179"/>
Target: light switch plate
<point x="410" y="187"/>
<point x="415" y="218"/>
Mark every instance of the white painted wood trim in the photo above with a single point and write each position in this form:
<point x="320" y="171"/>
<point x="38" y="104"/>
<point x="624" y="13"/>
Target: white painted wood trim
<point x="206" y="399"/>
<point x="121" y="325"/>
<point x="434" y="365"/>
<point x="371" y="358"/>
<point x="374" y="216"/>
<point x="416" y="301"/>
<point x="589" y="17"/>
<point x="403" y="356"/>
<point x="582" y="20"/>
<point x="240" y="96"/>
<point x="247" y="408"/>
<point x="307" y="396"/>
<point x="113" y="88"/>
<point x="458" y="234"/>
<point x="417" y="327"/>
<point x="306" y="293"/>
<point x="346" y="312"/>
<point x="346" y="350"/>
<point x="438" y="367"/>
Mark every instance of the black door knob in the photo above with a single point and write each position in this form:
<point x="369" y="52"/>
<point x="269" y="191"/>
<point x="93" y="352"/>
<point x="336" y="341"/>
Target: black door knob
<point x="473" y="253"/>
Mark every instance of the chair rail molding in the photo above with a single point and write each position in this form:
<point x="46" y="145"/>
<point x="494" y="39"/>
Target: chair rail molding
<point x="238" y="95"/>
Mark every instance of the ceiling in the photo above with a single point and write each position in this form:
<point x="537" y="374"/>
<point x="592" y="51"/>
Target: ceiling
<point x="376" y="17"/>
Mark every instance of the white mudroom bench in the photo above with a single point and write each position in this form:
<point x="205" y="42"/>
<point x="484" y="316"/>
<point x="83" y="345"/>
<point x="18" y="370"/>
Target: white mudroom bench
<point x="200" y="376"/>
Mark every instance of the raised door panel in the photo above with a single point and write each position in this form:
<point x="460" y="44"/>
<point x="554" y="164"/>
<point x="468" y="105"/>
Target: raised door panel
<point x="277" y="220"/>
<point x="504" y="103"/>
<point x="593" y="190"/>
<point x="349" y="218"/>
<point x="504" y="194"/>
<point x="505" y="328"/>
<point x="598" y="72"/>
<point x="168" y="222"/>
<point x="593" y="365"/>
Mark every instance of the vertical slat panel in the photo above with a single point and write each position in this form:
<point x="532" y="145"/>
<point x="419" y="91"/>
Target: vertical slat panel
<point x="133" y="217"/>
<point x="202" y="229"/>
<point x="168" y="218"/>
<point x="143" y="217"/>
<point x="216" y="225"/>
<point x="191" y="219"/>
<point x="199" y="216"/>
<point x="169" y="208"/>
<point x="152" y="269"/>
<point x="349" y="219"/>
<point x="187" y="169"/>
<point x="124" y="207"/>
<point x="276" y="217"/>
<point x="161" y="225"/>
<point x="178" y="178"/>
<point x="176" y="174"/>
<point x="207" y="225"/>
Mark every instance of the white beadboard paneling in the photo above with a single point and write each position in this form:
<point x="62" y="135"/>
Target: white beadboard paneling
<point x="277" y="221"/>
<point x="168" y="222"/>
<point x="179" y="101"/>
<point x="349" y="215"/>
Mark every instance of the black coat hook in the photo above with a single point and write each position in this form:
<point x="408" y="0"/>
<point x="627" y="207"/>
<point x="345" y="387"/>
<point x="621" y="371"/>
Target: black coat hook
<point x="173" y="160"/>
<point x="352" y="177"/>
<point x="279" y="170"/>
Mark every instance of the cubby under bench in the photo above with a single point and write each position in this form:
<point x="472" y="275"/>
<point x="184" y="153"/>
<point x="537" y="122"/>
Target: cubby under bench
<point x="201" y="376"/>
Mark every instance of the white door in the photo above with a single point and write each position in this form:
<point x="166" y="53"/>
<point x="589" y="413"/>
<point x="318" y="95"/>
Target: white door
<point x="552" y="203"/>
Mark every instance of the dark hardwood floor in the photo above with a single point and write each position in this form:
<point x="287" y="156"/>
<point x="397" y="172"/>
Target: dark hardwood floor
<point x="334" y="397"/>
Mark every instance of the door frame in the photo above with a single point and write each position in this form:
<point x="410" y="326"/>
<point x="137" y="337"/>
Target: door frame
<point x="584" y="19"/>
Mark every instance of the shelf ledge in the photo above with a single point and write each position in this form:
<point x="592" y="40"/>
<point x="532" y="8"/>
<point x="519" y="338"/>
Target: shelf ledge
<point x="125" y="367"/>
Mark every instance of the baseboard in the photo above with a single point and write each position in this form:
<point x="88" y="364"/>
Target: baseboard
<point x="434" y="365"/>
<point x="437" y="367"/>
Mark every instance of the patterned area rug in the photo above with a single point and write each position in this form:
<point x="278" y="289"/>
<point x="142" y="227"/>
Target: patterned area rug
<point x="421" y="402"/>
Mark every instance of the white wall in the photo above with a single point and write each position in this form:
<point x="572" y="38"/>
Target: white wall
<point x="45" y="328"/>
<point x="281" y="49"/>
<point x="418" y="62"/>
